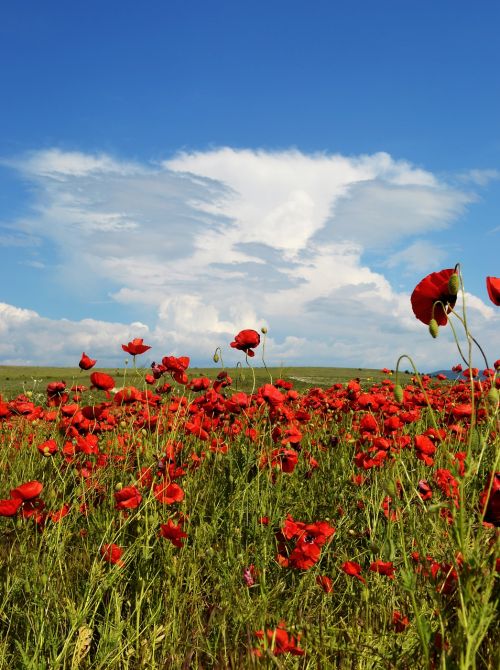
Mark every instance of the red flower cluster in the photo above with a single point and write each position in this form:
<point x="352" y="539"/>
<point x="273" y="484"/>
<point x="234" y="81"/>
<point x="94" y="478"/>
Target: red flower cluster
<point x="308" y="538"/>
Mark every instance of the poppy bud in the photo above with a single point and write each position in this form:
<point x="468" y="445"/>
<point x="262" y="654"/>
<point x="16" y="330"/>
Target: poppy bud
<point x="263" y="330"/>
<point x="390" y="487"/>
<point x="398" y="393"/>
<point x="118" y="486"/>
<point x="493" y="397"/>
<point x="433" y="328"/>
<point x="216" y="357"/>
<point x="453" y="284"/>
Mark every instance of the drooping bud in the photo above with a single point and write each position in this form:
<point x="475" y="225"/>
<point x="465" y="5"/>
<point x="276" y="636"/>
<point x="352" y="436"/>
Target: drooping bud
<point x="398" y="393"/>
<point x="263" y="330"/>
<point x="433" y="328"/>
<point x="453" y="284"/>
<point x="216" y="357"/>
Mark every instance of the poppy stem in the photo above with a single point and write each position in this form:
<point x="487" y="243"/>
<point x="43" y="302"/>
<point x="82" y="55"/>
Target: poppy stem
<point x="419" y="381"/>
<point x="253" y="372"/>
<point x="263" y="359"/>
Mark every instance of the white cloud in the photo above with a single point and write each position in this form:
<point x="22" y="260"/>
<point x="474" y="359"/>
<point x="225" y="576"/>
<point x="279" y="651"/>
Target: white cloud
<point x="480" y="177"/>
<point x="420" y="256"/>
<point x="213" y="242"/>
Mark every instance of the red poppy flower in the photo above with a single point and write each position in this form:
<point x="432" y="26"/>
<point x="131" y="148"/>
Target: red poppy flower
<point x="128" y="498"/>
<point x="490" y="500"/>
<point x="102" y="381"/>
<point x="10" y="506"/>
<point x="168" y="493"/>
<point x="246" y="340"/>
<point x="177" y="367"/>
<point x="172" y="532"/>
<point x="432" y="289"/>
<point x="284" y="459"/>
<point x="59" y="514"/>
<point x="325" y="583"/>
<point x="27" y="491"/>
<point x="399" y="621"/>
<point x="112" y="553"/>
<point x="353" y="569"/>
<point x="425" y="449"/>
<point x="136" y="347"/>
<point x="424" y="490"/>
<point x="47" y="448"/>
<point x="383" y="568"/>
<point x="493" y="288"/>
<point x="309" y="540"/>
<point x="86" y="363"/>
<point x="280" y="641"/>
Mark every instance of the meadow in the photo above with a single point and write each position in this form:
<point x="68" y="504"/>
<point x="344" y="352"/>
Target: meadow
<point x="248" y="518"/>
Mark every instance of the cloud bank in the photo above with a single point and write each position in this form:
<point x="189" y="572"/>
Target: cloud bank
<point x="210" y="242"/>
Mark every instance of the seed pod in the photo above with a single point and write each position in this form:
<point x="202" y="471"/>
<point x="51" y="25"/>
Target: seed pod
<point x="433" y="328"/>
<point x="398" y="393"/>
<point x="453" y="284"/>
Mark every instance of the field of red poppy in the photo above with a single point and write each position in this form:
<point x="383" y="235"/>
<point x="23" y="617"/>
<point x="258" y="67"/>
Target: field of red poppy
<point x="178" y="519"/>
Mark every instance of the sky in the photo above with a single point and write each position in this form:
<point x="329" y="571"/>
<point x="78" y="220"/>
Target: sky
<point x="182" y="170"/>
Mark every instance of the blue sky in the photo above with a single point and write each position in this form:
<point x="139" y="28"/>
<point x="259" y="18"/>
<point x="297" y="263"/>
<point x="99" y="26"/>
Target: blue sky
<point x="181" y="170"/>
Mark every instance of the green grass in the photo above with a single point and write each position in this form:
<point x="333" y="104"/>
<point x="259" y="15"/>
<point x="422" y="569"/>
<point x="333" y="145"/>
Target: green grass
<point x="19" y="379"/>
<point x="62" y="606"/>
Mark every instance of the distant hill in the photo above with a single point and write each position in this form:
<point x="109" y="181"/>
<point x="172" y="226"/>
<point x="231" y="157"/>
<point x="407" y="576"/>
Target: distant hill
<point x="452" y="375"/>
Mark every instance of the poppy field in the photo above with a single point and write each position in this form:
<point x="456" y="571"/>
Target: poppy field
<point x="171" y="519"/>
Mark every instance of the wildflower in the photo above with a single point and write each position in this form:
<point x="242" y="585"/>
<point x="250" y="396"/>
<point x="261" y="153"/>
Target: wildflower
<point x="59" y="514"/>
<point x="249" y="575"/>
<point x="136" y="347"/>
<point x="10" y="506"/>
<point x="490" y="500"/>
<point x="27" y="491"/>
<point x="311" y="538"/>
<point x="493" y="288"/>
<point x="425" y="449"/>
<point x="325" y="583"/>
<point x="102" y="381"/>
<point x="353" y="569"/>
<point x="424" y="490"/>
<point x="432" y="289"/>
<point x="172" y="532"/>
<point x="112" y="553"/>
<point x="280" y="641"/>
<point x="246" y="340"/>
<point x="86" y="363"/>
<point x="399" y="621"/>
<point x="177" y="367"/>
<point x="128" y="498"/>
<point x="47" y="448"/>
<point x="447" y="483"/>
<point x="168" y="493"/>
<point x="284" y="459"/>
<point x="383" y="568"/>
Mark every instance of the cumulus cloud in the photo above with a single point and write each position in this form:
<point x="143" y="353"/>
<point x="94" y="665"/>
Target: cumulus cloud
<point x="212" y="242"/>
